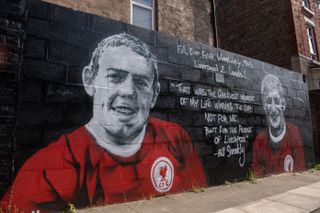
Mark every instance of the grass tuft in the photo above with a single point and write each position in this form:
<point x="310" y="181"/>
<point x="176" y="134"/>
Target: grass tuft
<point x="252" y="177"/>
<point x="70" y="208"/>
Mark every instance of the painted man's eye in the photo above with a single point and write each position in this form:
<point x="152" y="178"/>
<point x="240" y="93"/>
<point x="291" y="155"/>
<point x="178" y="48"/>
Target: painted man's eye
<point x="141" y="83"/>
<point x="268" y="100"/>
<point x="116" y="76"/>
<point x="277" y="101"/>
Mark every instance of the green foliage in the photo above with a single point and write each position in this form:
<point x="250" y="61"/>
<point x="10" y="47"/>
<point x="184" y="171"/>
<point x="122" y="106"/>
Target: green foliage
<point x="314" y="167"/>
<point x="317" y="166"/>
<point x="70" y="208"/>
<point x="196" y="189"/>
<point x="151" y="197"/>
<point x="14" y="209"/>
<point x="252" y="177"/>
<point x="227" y="183"/>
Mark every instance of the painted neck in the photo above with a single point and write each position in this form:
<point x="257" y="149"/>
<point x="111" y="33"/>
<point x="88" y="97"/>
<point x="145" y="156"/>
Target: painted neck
<point x="279" y="136"/>
<point x="121" y="150"/>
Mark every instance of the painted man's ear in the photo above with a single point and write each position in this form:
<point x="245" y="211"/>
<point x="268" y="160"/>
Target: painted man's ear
<point x="155" y="95"/>
<point x="283" y="104"/>
<point x="264" y="106"/>
<point x="87" y="76"/>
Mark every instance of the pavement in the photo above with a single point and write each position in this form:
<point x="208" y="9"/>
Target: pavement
<point x="289" y="192"/>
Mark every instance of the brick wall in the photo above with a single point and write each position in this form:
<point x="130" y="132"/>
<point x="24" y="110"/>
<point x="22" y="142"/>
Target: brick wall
<point x="314" y="108"/>
<point x="187" y="19"/>
<point x="213" y="94"/>
<point x="300" y="26"/>
<point x="118" y="11"/>
<point x="263" y="30"/>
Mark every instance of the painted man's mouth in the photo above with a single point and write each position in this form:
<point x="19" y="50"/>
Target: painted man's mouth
<point x="274" y="118"/>
<point x="124" y="110"/>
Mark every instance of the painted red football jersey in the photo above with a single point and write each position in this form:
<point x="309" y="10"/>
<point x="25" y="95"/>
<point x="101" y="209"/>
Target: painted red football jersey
<point x="288" y="157"/>
<point x="76" y="170"/>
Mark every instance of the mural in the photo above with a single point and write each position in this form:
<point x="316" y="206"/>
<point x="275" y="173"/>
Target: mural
<point x="122" y="154"/>
<point x="104" y="112"/>
<point x="279" y="147"/>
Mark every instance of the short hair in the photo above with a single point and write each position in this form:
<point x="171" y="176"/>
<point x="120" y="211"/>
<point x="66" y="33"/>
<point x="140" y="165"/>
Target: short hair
<point x="124" y="40"/>
<point x="270" y="83"/>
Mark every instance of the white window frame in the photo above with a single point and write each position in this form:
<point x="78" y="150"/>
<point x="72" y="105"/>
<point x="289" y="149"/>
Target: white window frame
<point x="312" y="41"/>
<point x="306" y="4"/>
<point x="309" y="22"/>
<point x="133" y="2"/>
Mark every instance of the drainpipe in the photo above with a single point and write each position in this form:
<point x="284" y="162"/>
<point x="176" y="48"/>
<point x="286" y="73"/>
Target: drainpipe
<point x="215" y="28"/>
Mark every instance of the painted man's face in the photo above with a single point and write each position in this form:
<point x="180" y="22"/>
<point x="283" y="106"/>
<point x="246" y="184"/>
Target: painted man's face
<point x="124" y="93"/>
<point x="274" y="107"/>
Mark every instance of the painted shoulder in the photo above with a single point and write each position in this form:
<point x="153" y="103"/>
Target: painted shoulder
<point x="262" y="134"/>
<point x="165" y="132"/>
<point x="52" y="155"/>
<point x="292" y="127"/>
<point x="152" y="121"/>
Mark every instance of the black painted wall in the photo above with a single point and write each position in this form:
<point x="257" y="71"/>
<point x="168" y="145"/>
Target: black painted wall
<point x="12" y="35"/>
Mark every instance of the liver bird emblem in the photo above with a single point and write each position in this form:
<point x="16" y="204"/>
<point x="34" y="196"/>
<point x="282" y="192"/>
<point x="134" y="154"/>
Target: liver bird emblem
<point x="163" y="172"/>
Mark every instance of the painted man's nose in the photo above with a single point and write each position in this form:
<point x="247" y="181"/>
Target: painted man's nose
<point x="127" y="87"/>
<point x="273" y="107"/>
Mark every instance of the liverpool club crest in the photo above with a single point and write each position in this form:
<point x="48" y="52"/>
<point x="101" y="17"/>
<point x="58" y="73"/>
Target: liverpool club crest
<point x="162" y="174"/>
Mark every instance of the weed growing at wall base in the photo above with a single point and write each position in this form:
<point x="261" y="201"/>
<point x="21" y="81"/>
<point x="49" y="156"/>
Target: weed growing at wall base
<point x="227" y="183"/>
<point x="150" y="197"/>
<point x="252" y="177"/>
<point x="15" y="210"/>
<point x="70" y="208"/>
<point x="314" y="167"/>
<point x="317" y="166"/>
<point x="196" y="189"/>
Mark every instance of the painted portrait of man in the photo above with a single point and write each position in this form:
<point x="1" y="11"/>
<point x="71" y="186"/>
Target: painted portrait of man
<point x="278" y="148"/>
<point x="122" y="153"/>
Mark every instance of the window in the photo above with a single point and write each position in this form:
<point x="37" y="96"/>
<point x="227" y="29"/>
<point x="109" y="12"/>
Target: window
<point x="306" y="3"/>
<point x="311" y="41"/>
<point x="142" y="13"/>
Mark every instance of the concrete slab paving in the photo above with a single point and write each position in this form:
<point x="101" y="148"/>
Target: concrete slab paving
<point x="231" y="210"/>
<point x="162" y="204"/>
<point x="307" y="191"/>
<point x="278" y="193"/>
<point x="305" y="202"/>
<point x="302" y="199"/>
<point x="117" y="208"/>
<point x="278" y="196"/>
<point x="317" y="185"/>
<point x="267" y="206"/>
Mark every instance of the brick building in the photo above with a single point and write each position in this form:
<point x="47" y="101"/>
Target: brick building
<point x="284" y="33"/>
<point x="181" y="18"/>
